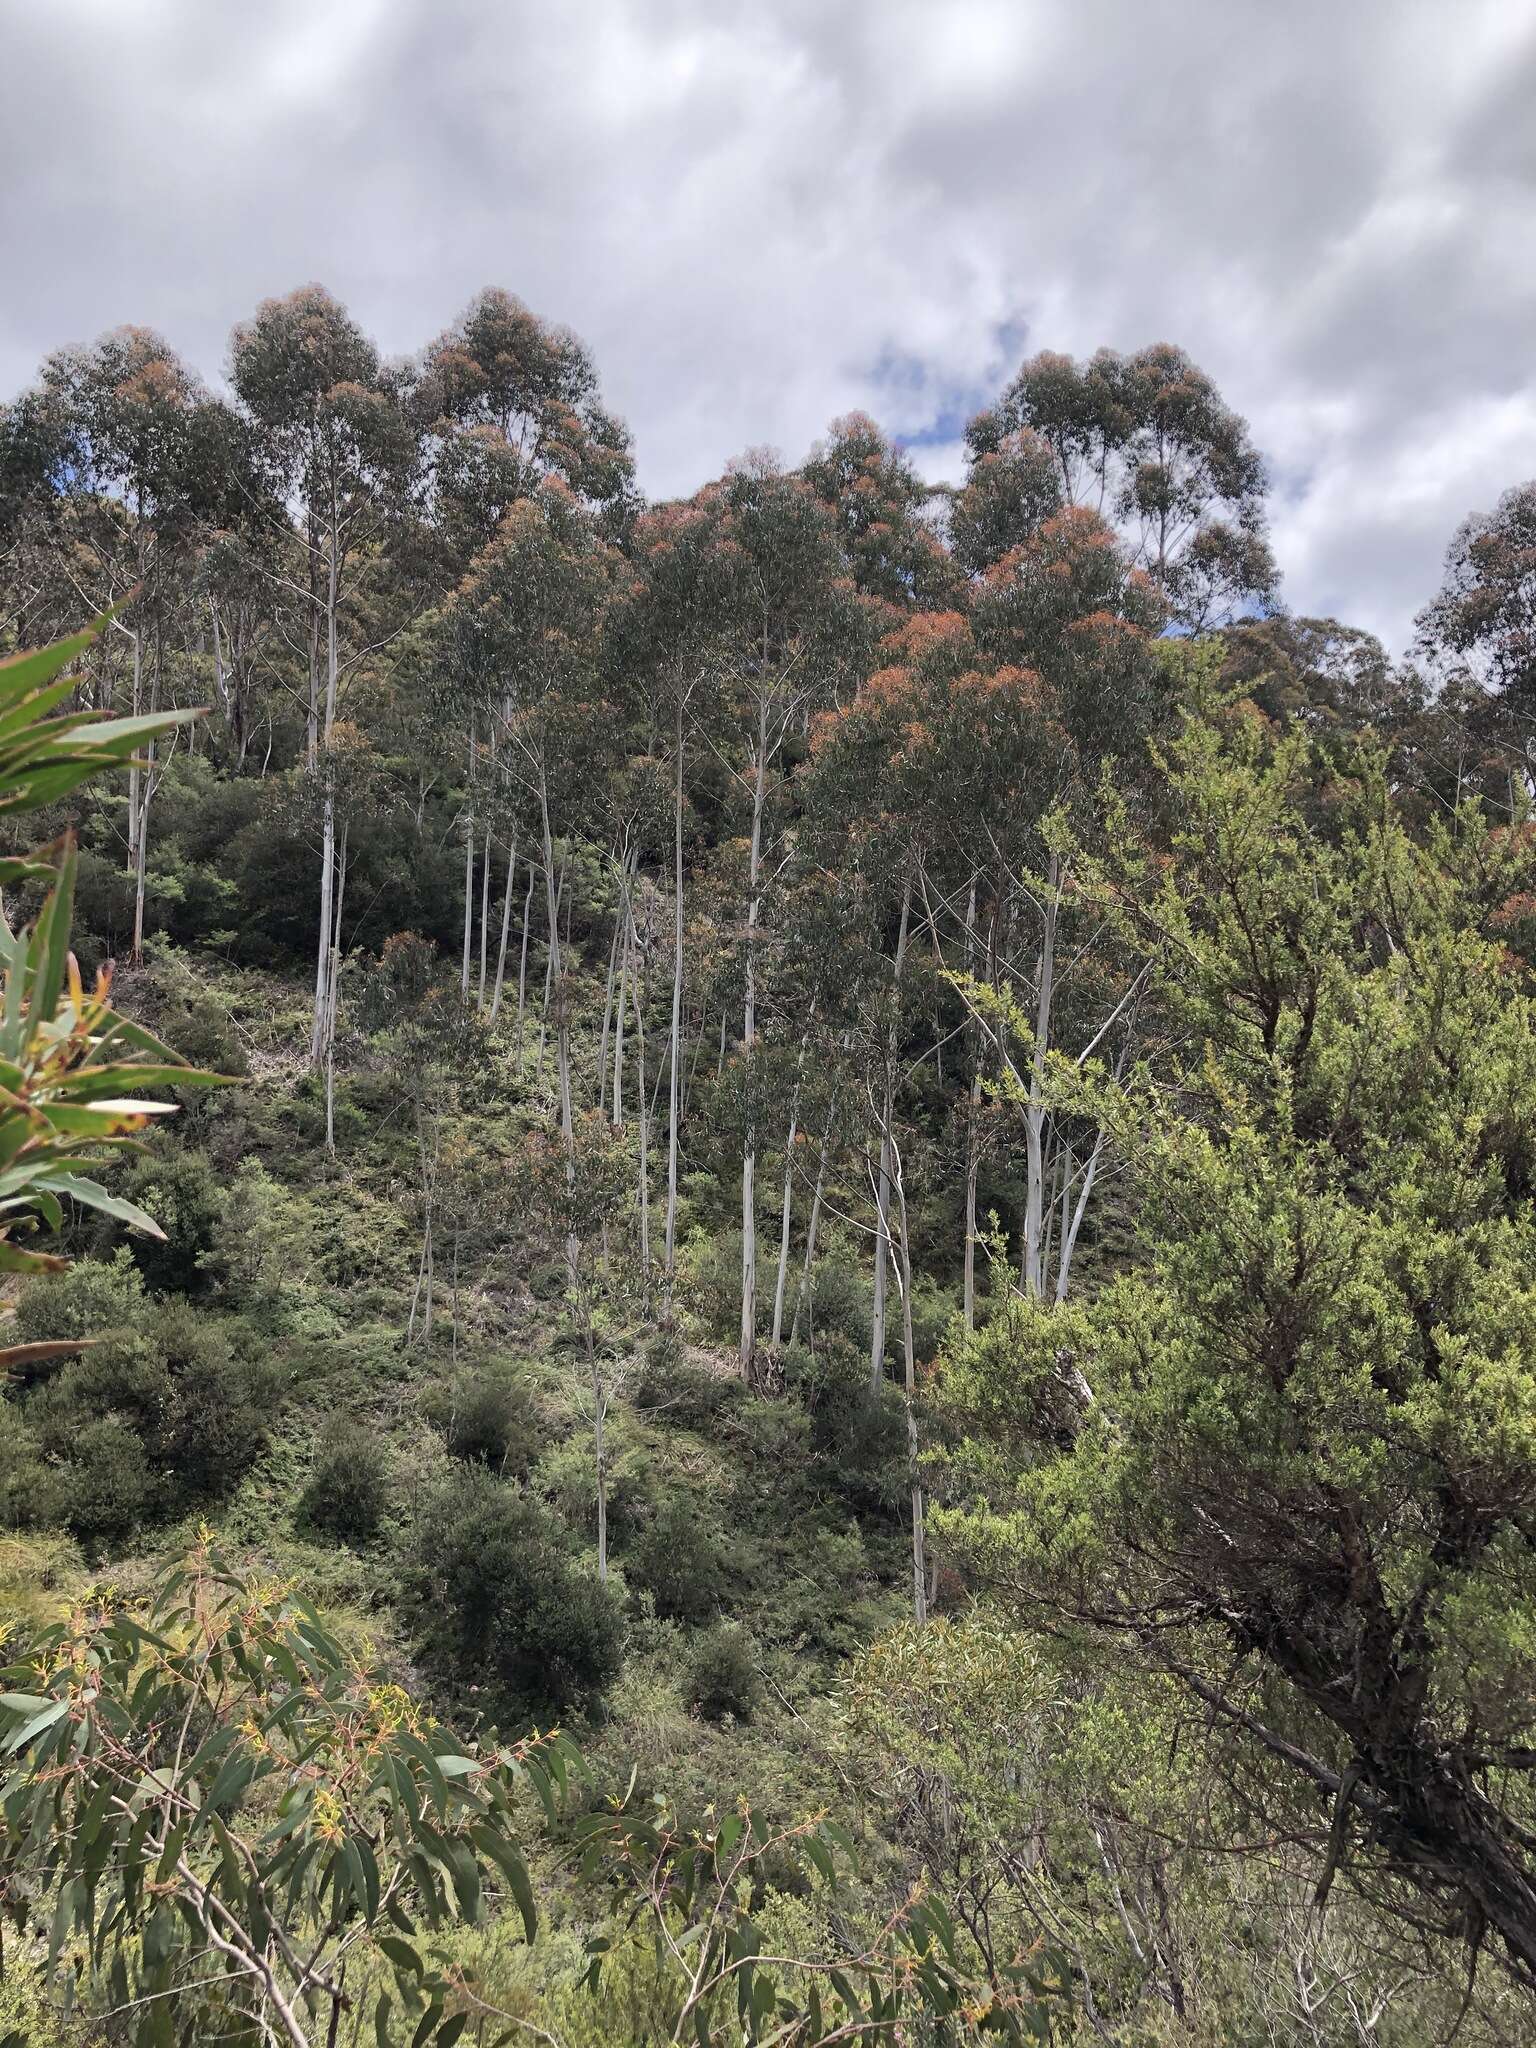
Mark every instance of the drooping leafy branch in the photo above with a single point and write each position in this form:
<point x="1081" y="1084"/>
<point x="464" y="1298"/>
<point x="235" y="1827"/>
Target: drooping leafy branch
<point x="70" y="1065"/>
<point x="221" y="1816"/>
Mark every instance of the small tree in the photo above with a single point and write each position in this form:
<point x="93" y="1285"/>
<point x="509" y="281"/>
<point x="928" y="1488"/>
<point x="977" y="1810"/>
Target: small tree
<point x="571" y="1190"/>
<point x="1288" y="1456"/>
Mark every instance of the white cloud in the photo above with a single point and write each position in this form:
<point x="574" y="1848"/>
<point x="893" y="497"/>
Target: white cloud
<point x="763" y="215"/>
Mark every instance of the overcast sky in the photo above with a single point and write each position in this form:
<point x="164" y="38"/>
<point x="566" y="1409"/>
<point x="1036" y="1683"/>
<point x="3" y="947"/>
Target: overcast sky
<point x="762" y="215"/>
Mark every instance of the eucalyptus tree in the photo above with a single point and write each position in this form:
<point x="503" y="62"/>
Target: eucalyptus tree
<point x="881" y="515"/>
<point x="1013" y="485"/>
<point x="1148" y="441"/>
<point x="1067" y="607"/>
<point x="506" y="401"/>
<point x="671" y="643"/>
<point x="115" y="428"/>
<point x="794" y="637"/>
<point x="1477" y="639"/>
<point x="340" y="439"/>
<point x="527" y="630"/>
<point x="31" y="495"/>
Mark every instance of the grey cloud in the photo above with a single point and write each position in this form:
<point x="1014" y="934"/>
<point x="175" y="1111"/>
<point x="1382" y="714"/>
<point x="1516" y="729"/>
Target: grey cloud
<point x="763" y="215"/>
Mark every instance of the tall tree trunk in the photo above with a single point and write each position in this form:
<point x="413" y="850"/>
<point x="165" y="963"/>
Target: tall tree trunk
<point x="328" y="816"/>
<point x="883" y="1183"/>
<point x="674" y="1044"/>
<point x="972" y="1126"/>
<point x="1072" y="1228"/>
<point x="469" y="870"/>
<point x="803" y="1292"/>
<point x="134" y="770"/>
<point x="506" y="926"/>
<point x="562" y="1020"/>
<point x="637" y="995"/>
<point x="617" y="1118"/>
<point x="749" y="1043"/>
<point x="607" y="1032"/>
<point x="909" y="1385"/>
<point x="143" y="796"/>
<point x="485" y="918"/>
<point x="1034" y="1115"/>
<point x="333" y="998"/>
<point x="786" y="1202"/>
<point x="141" y="853"/>
<point x="316" y="620"/>
<point x="522" y="965"/>
<point x="599" y="1450"/>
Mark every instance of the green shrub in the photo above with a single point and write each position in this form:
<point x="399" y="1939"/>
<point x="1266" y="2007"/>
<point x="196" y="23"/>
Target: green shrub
<point x="188" y="1013"/>
<point x="487" y="1418"/>
<point x="106" y="1486"/>
<point x="93" y="1296"/>
<point x="547" y="1280"/>
<point x="169" y="1377"/>
<point x="122" y="1374"/>
<point x="678" y="1558"/>
<point x="713" y="1276"/>
<point x="348" y="1485"/>
<point x="246" y="1258"/>
<point x="221" y="1405"/>
<point x="29" y="1490"/>
<point x="842" y="1302"/>
<point x="860" y="1436"/>
<point x="721" y="1676"/>
<point x="690" y="1395"/>
<point x="501" y="1606"/>
<point x="186" y="1198"/>
<point x="934" y="1308"/>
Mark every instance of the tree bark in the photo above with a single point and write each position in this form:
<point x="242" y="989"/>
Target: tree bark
<point x="802" y="1293"/>
<point x="636" y="993"/>
<point x="786" y="1205"/>
<point x="506" y="926"/>
<point x="522" y="966"/>
<point x="674" y="1096"/>
<point x="749" y="1042"/>
<point x="883" y="1184"/>
<point x="333" y="998"/>
<point x="328" y="823"/>
<point x="1034" y="1115"/>
<point x="469" y="871"/>
<point x="909" y="1384"/>
<point x="972" y="1128"/>
<point x="485" y="918"/>
<point x="602" y="1044"/>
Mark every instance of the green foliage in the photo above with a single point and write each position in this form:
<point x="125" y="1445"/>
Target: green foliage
<point x="488" y="1417"/>
<point x="678" y="1557"/>
<point x="29" y="1489"/>
<point x="105" y="1483"/>
<point x="90" y="1297"/>
<point x="700" y="1890"/>
<point x="722" y="1676"/>
<point x="860" y="1434"/>
<point x="689" y="1394"/>
<point x="62" y="1049"/>
<point x="156" y="1413"/>
<point x="247" y="1255"/>
<point x="503" y="1610"/>
<point x="180" y="1188"/>
<point x="1291" y="1453"/>
<point x="348" y="1487"/>
<point x="229" y="1804"/>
